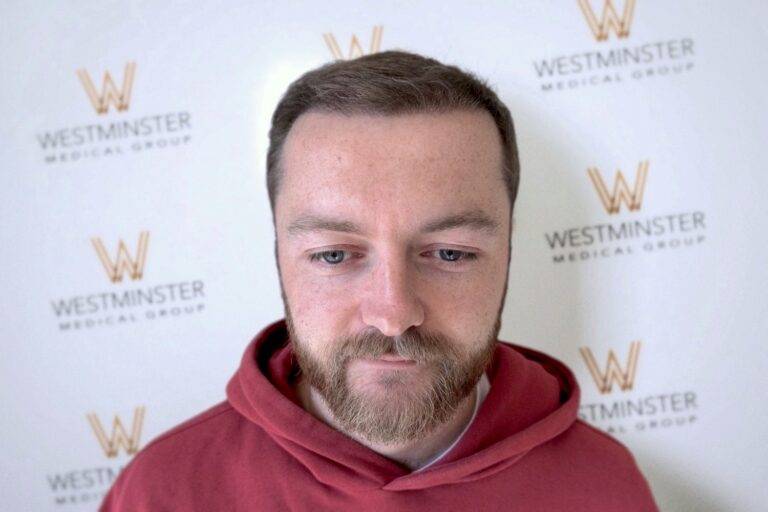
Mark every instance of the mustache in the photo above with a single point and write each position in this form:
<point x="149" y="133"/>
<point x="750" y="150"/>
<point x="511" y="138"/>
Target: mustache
<point x="421" y="347"/>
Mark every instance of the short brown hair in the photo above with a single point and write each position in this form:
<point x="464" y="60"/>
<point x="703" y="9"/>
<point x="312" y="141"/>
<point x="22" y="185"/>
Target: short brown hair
<point x="389" y="83"/>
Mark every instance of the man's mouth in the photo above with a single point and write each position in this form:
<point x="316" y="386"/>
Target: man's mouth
<point x="389" y="361"/>
<point x="392" y="357"/>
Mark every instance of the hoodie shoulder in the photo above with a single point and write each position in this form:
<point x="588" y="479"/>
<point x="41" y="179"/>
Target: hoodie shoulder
<point x="599" y="471"/>
<point x="610" y="442"/>
<point x="605" y="466"/>
<point x="197" y="422"/>
<point x="181" y="455"/>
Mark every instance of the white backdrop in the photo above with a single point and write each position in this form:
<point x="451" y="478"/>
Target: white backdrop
<point x="650" y="284"/>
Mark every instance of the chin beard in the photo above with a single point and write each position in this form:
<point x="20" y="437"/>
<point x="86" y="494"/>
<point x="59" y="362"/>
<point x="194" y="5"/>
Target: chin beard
<point x="401" y="407"/>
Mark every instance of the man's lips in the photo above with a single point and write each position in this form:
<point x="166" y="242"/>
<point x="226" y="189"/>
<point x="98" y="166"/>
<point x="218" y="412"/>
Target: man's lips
<point x="392" y="357"/>
<point x="389" y="361"/>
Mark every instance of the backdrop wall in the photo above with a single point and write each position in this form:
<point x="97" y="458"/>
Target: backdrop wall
<point x="137" y="242"/>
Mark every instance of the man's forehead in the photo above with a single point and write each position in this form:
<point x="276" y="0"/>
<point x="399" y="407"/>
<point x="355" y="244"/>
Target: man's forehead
<point x="457" y="135"/>
<point x="415" y="163"/>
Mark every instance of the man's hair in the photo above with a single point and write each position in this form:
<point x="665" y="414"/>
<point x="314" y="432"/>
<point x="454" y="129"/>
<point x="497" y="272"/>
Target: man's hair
<point x="389" y="83"/>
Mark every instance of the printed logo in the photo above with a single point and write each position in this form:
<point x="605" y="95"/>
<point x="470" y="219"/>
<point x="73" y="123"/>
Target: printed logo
<point x="123" y="262"/>
<point x="89" y="484"/>
<point x="114" y="135"/>
<point x="121" y="99"/>
<point x="605" y="64"/>
<point x="119" y="437"/>
<point x="122" y="305"/>
<point x="636" y="408"/>
<point x="633" y="198"/>
<point x="623" y="377"/>
<point x="355" y="48"/>
<point x="610" y="20"/>
<point x="628" y="234"/>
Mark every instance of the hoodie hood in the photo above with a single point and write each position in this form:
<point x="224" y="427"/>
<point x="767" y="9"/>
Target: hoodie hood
<point x="532" y="399"/>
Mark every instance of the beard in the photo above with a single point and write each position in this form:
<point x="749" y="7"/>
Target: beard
<point x="394" y="406"/>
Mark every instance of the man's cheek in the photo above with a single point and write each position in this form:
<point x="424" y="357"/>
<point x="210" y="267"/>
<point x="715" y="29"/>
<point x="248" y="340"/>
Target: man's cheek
<point x="309" y="305"/>
<point x="460" y="306"/>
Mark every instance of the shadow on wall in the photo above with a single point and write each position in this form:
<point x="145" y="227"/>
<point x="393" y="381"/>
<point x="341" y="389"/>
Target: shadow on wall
<point x="673" y="494"/>
<point x="544" y="307"/>
<point x="550" y="306"/>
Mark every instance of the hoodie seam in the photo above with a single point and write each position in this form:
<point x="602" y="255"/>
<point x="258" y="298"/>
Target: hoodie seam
<point x="606" y="436"/>
<point x="175" y="432"/>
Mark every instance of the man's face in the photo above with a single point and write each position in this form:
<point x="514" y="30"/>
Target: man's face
<point x="393" y="252"/>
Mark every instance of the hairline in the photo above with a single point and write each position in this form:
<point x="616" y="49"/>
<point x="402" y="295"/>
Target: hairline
<point x="354" y="111"/>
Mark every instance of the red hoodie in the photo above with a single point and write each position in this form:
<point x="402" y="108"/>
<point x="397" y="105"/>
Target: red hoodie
<point x="260" y="450"/>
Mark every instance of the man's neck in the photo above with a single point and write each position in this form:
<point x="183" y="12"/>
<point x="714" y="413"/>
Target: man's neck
<point x="412" y="455"/>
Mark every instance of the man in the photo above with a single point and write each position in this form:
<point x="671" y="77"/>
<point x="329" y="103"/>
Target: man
<point x="392" y="181"/>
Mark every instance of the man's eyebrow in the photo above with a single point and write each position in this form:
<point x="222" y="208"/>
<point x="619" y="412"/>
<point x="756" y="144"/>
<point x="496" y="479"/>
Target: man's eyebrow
<point x="311" y="223"/>
<point x="475" y="219"/>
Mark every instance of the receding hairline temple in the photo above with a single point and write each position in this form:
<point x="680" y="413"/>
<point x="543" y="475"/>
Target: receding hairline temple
<point x="389" y="83"/>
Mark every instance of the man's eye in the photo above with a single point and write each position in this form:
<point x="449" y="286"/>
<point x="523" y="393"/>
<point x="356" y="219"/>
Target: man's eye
<point x="453" y="255"/>
<point x="331" y="257"/>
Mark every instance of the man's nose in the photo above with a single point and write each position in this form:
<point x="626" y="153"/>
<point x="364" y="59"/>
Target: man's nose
<point x="391" y="303"/>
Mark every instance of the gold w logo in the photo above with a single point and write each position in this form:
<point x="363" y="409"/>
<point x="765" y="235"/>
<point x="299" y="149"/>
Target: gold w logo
<point x="625" y="378"/>
<point x="119" y="438"/>
<point x="110" y="94"/>
<point x="355" y="48"/>
<point x="123" y="262"/>
<point x="610" y="19"/>
<point x="632" y="198"/>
